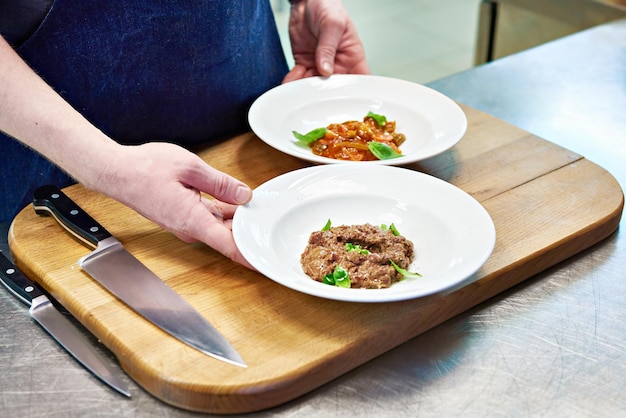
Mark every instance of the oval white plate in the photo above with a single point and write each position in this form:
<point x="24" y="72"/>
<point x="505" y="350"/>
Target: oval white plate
<point x="452" y="233"/>
<point x="432" y="122"/>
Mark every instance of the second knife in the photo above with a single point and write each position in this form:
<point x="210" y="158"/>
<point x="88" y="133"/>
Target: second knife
<point x="111" y="265"/>
<point x="58" y="326"/>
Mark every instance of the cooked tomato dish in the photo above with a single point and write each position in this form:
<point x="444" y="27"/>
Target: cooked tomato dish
<point x="349" y="140"/>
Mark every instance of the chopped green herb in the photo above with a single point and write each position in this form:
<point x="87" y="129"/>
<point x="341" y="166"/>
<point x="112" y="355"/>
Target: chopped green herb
<point x="382" y="151"/>
<point x="403" y="272"/>
<point x="351" y="247"/>
<point x="380" y="119"/>
<point x="327" y="226"/>
<point x="339" y="277"/>
<point x="392" y="228"/>
<point x="308" y="138"/>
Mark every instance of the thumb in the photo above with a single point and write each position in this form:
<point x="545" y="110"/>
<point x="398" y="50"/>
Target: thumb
<point x="218" y="184"/>
<point x="326" y="49"/>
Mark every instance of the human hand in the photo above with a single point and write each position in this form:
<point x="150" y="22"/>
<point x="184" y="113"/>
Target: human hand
<point x="324" y="40"/>
<point x="168" y="185"/>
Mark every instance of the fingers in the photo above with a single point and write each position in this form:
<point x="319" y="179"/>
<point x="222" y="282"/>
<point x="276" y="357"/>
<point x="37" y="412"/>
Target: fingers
<point x="300" y="71"/>
<point x="210" y="222"/>
<point x="220" y="238"/>
<point x="330" y="37"/>
<point x="220" y="185"/>
<point x="296" y="73"/>
<point x="324" y="41"/>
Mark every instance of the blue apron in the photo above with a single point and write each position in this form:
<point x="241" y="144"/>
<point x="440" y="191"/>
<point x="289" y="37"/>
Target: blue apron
<point x="181" y="71"/>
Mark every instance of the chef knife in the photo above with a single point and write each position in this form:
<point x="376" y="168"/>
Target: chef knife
<point x="58" y="325"/>
<point x="111" y="265"/>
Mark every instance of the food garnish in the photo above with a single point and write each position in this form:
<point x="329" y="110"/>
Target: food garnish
<point x="381" y="120"/>
<point x="373" y="139"/>
<point x="383" y="151"/>
<point x="309" y="137"/>
<point x="404" y="272"/>
<point x="351" y="247"/>
<point x="392" y="228"/>
<point x="339" y="277"/>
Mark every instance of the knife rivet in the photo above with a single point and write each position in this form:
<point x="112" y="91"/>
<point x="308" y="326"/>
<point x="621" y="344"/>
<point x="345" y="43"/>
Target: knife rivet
<point x="55" y="195"/>
<point x="93" y="229"/>
<point x="10" y="271"/>
<point x="73" y="212"/>
<point x="29" y="289"/>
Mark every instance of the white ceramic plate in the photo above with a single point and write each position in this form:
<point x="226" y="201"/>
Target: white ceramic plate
<point x="432" y="122"/>
<point x="452" y="233"/>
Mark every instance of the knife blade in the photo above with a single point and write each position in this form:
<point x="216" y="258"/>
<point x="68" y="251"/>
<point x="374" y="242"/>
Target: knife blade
<point x="115" y="268"/>
<point x="57" y="325"/>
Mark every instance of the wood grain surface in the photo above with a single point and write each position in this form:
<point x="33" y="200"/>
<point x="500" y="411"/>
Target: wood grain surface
<point x="547" y="204"/>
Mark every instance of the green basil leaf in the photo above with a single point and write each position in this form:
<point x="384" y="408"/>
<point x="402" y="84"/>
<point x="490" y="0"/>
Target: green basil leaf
<point x="380" y="119"/>
<point x="308" y="138"/>
<point x="345" y="283"/>
<point x="351" y="247"/>
<point x="327" y="226"/>
<point x="329" y="279"/>
<point x="341" y="277"/>
<point x="391" y="228"/>
<point x="382" y="151"/>
<point x="403" y="272"/>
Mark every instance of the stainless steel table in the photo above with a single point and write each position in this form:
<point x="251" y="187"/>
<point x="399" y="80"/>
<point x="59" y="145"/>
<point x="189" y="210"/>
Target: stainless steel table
<point x="553" y="346"/>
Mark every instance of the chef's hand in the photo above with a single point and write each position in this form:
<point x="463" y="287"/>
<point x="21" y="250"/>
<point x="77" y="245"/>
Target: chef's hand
<point x="324" y="40"/>
<point x="164" y="182"/>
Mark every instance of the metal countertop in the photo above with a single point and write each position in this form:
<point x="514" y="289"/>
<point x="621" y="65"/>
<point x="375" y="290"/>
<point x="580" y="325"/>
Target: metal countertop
<point x="552" y="346"/>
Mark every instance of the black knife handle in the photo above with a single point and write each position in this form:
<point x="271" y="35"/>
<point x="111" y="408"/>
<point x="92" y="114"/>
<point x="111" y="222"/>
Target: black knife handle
<point x="14" y="280"/>
<point x="50" y="200"/>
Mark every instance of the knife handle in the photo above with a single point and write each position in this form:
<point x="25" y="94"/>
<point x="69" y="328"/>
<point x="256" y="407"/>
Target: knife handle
<point x="50" y="200"/>
<point x="17" y="283"/>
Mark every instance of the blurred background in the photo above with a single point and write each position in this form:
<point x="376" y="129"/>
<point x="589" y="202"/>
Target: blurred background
<point x="416" y="40"/>
<point x="425" y="40"/>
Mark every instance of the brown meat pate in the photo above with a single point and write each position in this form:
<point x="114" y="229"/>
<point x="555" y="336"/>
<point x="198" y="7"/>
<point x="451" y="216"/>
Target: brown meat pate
<point x="327" y="249"/>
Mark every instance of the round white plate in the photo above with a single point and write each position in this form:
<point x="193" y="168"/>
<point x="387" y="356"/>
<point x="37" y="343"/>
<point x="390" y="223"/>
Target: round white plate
<point x="452" y="233"/>
<point x="432" y="122"/>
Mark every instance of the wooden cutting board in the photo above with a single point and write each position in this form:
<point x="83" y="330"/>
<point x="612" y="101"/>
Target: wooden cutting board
<point x="547" y="204"/>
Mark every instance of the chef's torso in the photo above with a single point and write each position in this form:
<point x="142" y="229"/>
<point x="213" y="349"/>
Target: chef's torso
<point x="183" y="71"/>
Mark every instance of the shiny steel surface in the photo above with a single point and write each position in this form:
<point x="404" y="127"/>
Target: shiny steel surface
<point x="133" y="283"/>
<point x="554" y="346"/>
<point x="74" y="341"/>
<point x="59" y="326"/>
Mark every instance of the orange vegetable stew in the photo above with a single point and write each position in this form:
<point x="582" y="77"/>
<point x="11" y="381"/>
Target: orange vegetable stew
<point x="349" y="140"/>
